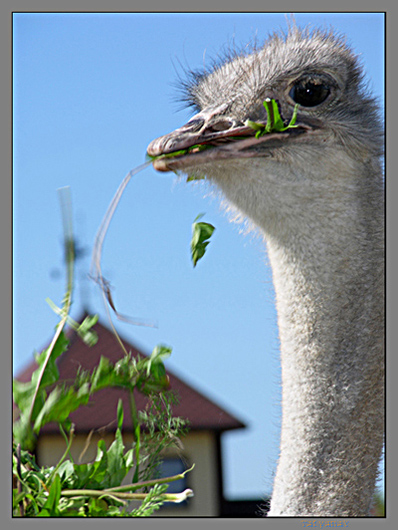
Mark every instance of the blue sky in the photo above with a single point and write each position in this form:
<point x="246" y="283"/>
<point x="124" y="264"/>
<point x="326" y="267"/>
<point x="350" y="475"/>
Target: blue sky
<point x="90" y="93"/>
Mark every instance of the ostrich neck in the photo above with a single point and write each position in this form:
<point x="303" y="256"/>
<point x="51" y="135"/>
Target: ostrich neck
<point x="324" y="235"/>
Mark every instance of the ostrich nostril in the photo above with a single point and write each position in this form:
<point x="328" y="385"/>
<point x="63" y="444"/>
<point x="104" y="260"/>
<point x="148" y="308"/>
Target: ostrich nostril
<point x="221" y="125"/>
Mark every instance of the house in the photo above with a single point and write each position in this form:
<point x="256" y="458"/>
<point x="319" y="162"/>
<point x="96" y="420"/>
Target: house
<point x="201" y="446"/>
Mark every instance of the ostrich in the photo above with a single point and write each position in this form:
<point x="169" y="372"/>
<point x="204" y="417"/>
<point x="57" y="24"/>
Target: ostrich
<point x="315" y="193"/>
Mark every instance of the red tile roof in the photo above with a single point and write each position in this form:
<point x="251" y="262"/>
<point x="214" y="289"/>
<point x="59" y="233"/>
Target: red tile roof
<point x="201" y="412"/>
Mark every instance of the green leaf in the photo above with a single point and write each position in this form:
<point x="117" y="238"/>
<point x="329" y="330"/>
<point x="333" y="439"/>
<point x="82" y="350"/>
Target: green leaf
<point x="82" y="474"/>
<point x="158" y="372"/>
<point x="116" y="464"/>
<point x="159" y="353"/>
<point x="97" y="507"/>
<point x="92" y="475"/>
<point x="155" y="379"/>
<point x="181" y="152"/>
<point x="60" y="403"/>
<point x="45" y="375"/>
<point x="199" y="216"/>
<point x="23" y="393"/>
<point x="293" y="118"/>
<point x="51" y="373"/>
<point x="86" y="333"/>
<point x="192" y="177"/>
<point x="254" y="125"/>
<point x="201" y="233"/>
<point x="274" y="122"/>
<point x="47" y="410"/>
<point x="35" y="505"/>
<point x="66" y="471"/>
<point x="129" y="458"/>
<point x="50" y="508"/>
<point x="22" y="431"/>
<point x="103" y="375"/>
<point x="120" y="414"/>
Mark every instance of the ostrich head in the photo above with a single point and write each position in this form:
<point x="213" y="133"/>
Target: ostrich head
<point x="338" y="124"/>
<point x="315" y="191"/>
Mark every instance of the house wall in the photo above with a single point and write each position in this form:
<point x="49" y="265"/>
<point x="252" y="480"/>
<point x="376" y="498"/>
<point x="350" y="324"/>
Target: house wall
<point x="199" y="448"/>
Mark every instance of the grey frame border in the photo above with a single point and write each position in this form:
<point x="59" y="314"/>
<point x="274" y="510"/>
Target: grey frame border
<point x="6" y="9"/>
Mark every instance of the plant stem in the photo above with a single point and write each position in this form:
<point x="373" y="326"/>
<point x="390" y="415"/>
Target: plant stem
<point x="67" y="450"/>
<point x="148" y="483"/>
<point x="137" y="434"/>
<point x="168" y="497"/>
<point x="67" y="301"/>
<point x="19" y="478"/>
<point x="270" y="115"/>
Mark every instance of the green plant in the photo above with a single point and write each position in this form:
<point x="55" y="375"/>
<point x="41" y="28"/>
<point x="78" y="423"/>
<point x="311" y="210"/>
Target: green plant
<point x="93" y="489"/>
<point x="274" y="122"/>
<point x="201" y="233"/>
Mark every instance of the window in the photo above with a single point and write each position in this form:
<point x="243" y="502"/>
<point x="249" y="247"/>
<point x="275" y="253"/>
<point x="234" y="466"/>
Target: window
<point x="173" y="466"/>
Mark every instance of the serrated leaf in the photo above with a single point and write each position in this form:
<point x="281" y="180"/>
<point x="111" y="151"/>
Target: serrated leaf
<point x="30" y="397"/>
<point x="51" y="373"/>
<point x="22" y="431"/>
<point x="102" y="374"/>
<point x="47" y="410"/>
<point x="60" y="403"/>
<point x="22" y="394"/>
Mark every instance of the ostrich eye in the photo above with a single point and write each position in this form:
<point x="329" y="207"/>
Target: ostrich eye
<point x="309" y="92"/>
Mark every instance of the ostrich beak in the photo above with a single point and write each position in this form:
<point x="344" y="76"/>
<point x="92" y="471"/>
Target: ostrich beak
<point x="211" y="135"/>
